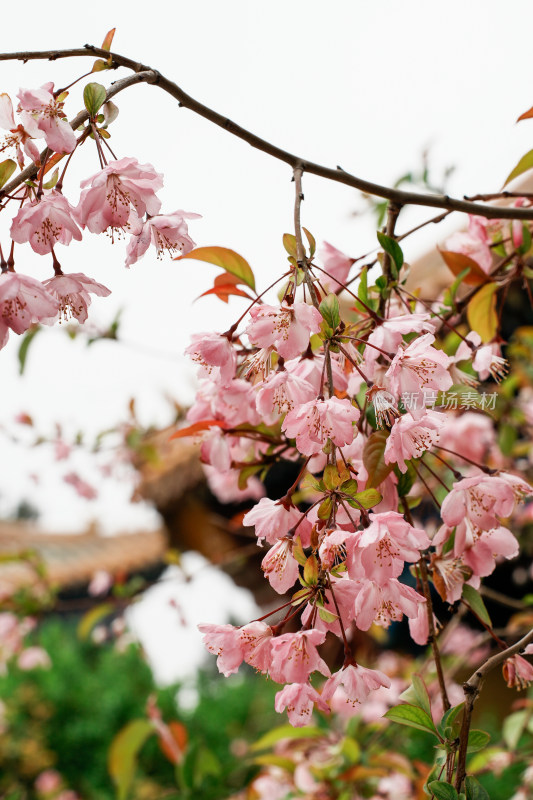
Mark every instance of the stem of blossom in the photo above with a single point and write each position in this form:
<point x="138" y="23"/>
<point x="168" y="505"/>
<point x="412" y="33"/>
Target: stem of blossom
<point x="294" y="486"/>
<point x="344" y="287"/>
<point x="456" y="474"/>
<point x="437" y="477"/>
<point x="348" y="655"/>
<point x="41" y="174"/>
<point x="423" y="572"/>
<point x="488" y="628"/>
<point x="426" y="485"/>
<point x="327" y="356"/>
<point x="351" y="360"/>
<point x="368" y="344"/>
<point x="229" y="333"/>
<point x="101" y="156"/>
<point x="280" y="608"/>
<point x="487" y="470"/>
<point x="11" y="258"/>
<point x="393" y="211"/>
<point x="472" y="688"/>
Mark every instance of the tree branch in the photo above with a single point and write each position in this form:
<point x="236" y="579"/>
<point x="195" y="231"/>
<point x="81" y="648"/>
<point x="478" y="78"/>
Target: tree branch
<point x="472" y="688"/>
<point x="398" y="196"/>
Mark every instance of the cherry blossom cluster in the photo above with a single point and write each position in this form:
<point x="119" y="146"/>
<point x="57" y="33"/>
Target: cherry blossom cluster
<point x="302" y="382"/>
<point x="120" y="199"/>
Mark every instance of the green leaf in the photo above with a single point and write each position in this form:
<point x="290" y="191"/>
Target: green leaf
<point x="272" y="760"/>
<point x="350" y="487"/>
<point x="285" y="732"/>
<point x="443" y="791"/>
<point x="298" y="552"/>
<point x="475" y="601"/>
<point x="329" y="308"/>
<point x="513" y="728"/>
<point x="413" y="717"/>
<point x="420" y="693"/>
<point x="525" y="163"/>
<point x="92" y="618"/>
<point x="312" y="242"/>
<point x="368" y="498"/>
<point x="310" y="482"/>
<point x="229" y="260"/>
<point x="327" y="616"/>
<point x="122" y="756"/>
<point x="477" y="740"/>
<point x="391" y="247"/>
<point x="247" y="472"/>
<point x="362" y="289"/>
<point x="289" y="243"/>
<point x="373" y="458"/>
<point x="53" y="180"/>
<point x="27" y="339"/>
<point x="474" y="790"/>
<point x="449" y="294"/>
<point x="325" y="507"/>
<point x="311" y="571"/>
<point x="450" y="719"/>
<point x="94" y="96"/>
<point x="331" y="476"/>
<point x="7" y="168"/>
<point x="481" y="312"/>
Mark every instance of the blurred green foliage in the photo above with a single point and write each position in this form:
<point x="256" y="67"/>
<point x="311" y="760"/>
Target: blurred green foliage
<point x="66" y="717"/>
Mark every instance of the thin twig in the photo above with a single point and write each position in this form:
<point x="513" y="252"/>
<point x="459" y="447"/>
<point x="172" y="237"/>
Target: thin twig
<point x="339" y="175"/>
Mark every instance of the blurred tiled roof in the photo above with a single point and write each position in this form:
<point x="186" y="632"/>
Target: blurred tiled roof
<point x="72" y="559"/>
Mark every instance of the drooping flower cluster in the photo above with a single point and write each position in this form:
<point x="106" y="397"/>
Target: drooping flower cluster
<point x="121" y="198"/>
<point x="354" y="404"/>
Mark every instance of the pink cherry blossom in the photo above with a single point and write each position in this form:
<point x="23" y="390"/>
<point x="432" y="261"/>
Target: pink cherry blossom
<point x="33" y="658"/>
<point x="280" y="567"/>
<point x="83" y="488"/>
<point x="281" y="392"/>
<point x="517" y="672"/>
<point x="337" y="264"/>
<point x="354" y="683"/>
<point x="474" y="243"/>
<point x="299" y="700"/>
<point x="166" y="232"/>
<point x="17" y="136"/>
<point x="215" y="354"/>
<point x="410" y="438"/>
<point x="225" y="642"/>
<point x="225" y="486"/>
<point x="287" y="329"/>
<point x="382" y="604"/>
<point x="73" y="292"/>
<point x="482" y="499"/>
<point x="469" y="434"/>
<point x="256" y="640"/>
<point x="313" y="423"/>
<point x="118" y="196"/>
<point x="272" y="520"/>
<point x="386" y="544"/>
<point x="46" y="222"/>
<point x="295" y="657"/>
<point x="389" y="334"/>
<point x="23" y="301"/>
<point x="450" y="574"/>
<point x="42" y="116"/>
<point x="417" y="367"/>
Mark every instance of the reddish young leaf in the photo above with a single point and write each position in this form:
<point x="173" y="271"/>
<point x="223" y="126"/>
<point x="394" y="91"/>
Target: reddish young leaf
<point x="174" y="748"/>
<point x="197" y="427"/>
<point x="106" y="44"/>
<point x="457" y="262"/>
<point x="526" y="114"/>
<point x="224" y="291"/>
<point x="229" y="260"/>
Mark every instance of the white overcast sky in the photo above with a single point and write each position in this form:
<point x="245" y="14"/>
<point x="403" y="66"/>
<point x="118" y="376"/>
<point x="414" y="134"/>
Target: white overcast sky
<point x="365" y="85"/>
